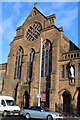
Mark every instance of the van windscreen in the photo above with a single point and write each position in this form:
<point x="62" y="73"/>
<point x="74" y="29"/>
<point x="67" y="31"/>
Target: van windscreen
<point x="10" y="102"/>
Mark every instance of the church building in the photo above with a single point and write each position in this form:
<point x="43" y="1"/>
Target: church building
<point x="60" y="66"/>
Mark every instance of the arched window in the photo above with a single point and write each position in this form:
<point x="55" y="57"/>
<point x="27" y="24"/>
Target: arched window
<point x="30" y="68"/>
<point x="62" y="71"/>
<point x="67" y="71"/>
<point x="46" y="66"/>
<point x="79" y="71"/>
<point x="18" y="63"/>
<point x="48" y="58"/>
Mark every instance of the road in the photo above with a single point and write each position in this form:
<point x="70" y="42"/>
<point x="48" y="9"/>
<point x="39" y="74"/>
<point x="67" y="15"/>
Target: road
<point x="13" y="118"/>
<point x="21" y="118"/>
<point x="0" y="117"/>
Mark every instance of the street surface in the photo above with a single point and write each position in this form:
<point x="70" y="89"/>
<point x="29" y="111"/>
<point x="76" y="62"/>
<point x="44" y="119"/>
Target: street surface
<point x="22" y="118"/>
<point x="0" y="117"/>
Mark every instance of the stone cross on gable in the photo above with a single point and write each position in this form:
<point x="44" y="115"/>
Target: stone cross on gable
<point x="35" y="4"/>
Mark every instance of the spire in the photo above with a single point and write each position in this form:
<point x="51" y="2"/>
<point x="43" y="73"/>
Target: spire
<point x="35" y="4"/>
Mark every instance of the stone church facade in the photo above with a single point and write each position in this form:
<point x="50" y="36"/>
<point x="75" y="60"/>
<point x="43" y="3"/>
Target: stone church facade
<point x="60" y="89"/>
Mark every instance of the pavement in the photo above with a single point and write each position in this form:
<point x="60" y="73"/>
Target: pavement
<point x="71" y="118"/>
<point x="22" y="118"/>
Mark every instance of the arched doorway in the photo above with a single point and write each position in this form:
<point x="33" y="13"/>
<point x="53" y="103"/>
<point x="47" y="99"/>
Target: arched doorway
<point x="66" y="102"/>
<point x="78" y="103"/>
<point x="15" y="92"/>
<point x="26" y="99"/>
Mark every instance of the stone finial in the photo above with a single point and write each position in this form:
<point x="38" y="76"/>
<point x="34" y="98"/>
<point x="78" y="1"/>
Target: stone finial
<point x="35" y="4"/>
<point x="61" y="29"/>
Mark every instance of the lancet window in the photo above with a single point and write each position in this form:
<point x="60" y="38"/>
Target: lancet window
<point x="18" y="63"/>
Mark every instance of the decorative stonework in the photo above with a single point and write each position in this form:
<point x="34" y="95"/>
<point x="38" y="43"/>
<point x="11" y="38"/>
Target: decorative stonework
<point x="33" y="31"/>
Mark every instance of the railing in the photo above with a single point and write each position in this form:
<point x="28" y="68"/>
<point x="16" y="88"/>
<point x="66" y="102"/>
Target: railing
<point x="71" y="55"/>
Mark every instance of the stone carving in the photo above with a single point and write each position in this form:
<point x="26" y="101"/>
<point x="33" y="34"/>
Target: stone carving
<point x="71" y="71"/>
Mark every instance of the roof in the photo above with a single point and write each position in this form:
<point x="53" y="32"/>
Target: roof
<point x="6" y="97"/>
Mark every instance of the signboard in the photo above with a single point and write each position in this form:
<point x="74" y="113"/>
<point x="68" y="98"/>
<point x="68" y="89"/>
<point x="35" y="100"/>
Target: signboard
<point x="43" y="97"/>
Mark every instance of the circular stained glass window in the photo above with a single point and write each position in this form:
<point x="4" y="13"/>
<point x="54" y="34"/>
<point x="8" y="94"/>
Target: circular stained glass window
<point x="33" y="31"/>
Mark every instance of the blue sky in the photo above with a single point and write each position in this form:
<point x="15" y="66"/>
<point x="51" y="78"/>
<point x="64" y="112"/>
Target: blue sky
<point x="15" y="13"/>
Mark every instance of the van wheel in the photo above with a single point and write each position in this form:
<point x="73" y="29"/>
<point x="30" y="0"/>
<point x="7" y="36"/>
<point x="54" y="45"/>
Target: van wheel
<point x="5" y="113"/>
<point x="28" y="116"/>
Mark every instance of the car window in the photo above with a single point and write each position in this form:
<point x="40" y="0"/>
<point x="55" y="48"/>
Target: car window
<point x="10" y="102"/>
<point x="32" y="108"/>
<point x="3" y="103"/>
<point x="38" y="109"/>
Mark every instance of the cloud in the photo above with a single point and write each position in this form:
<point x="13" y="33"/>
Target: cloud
<point x="66" y="13"/>
<point x="16" y="7"/>
<point x="0" y="31"/>
<point x="54" y="6"/>
<point x="8" y="25"/>
<point x="21" y="21"/>
<point x="67" y="17"/>
<point x="8" y="33"/>
<point x="18" y="12"/>
<point x="8" y="28"/>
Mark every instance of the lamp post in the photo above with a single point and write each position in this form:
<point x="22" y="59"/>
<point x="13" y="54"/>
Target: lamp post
<point x="39" y="93"/>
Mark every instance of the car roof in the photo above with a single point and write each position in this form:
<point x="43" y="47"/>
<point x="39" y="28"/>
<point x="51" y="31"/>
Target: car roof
<point x="35" y="107"/>
<point x="6" y="97"/>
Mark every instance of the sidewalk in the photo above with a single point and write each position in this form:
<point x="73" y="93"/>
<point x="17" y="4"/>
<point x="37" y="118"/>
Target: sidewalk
<point x="71" y="118"/>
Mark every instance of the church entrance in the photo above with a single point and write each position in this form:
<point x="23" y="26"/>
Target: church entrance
<point x="66" y="102"/>
<point x="26" y="99"/>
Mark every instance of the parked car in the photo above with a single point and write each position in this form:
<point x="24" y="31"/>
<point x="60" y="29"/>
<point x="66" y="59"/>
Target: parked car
<point x="8" y="106"/>
<point x="40" y="113"/>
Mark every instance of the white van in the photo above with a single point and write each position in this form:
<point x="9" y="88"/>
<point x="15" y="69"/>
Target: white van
<point x="8" y="106"/>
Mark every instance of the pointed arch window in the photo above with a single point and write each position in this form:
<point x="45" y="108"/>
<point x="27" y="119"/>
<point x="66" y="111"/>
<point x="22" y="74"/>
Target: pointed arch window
<point x="46" y="66"/>
<point x="30" y="68"/>
<point x="48" y="58"/>
<point x="67" y="71"/>
<point x="62" y="71"/>
<point x="18" y="63"/>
